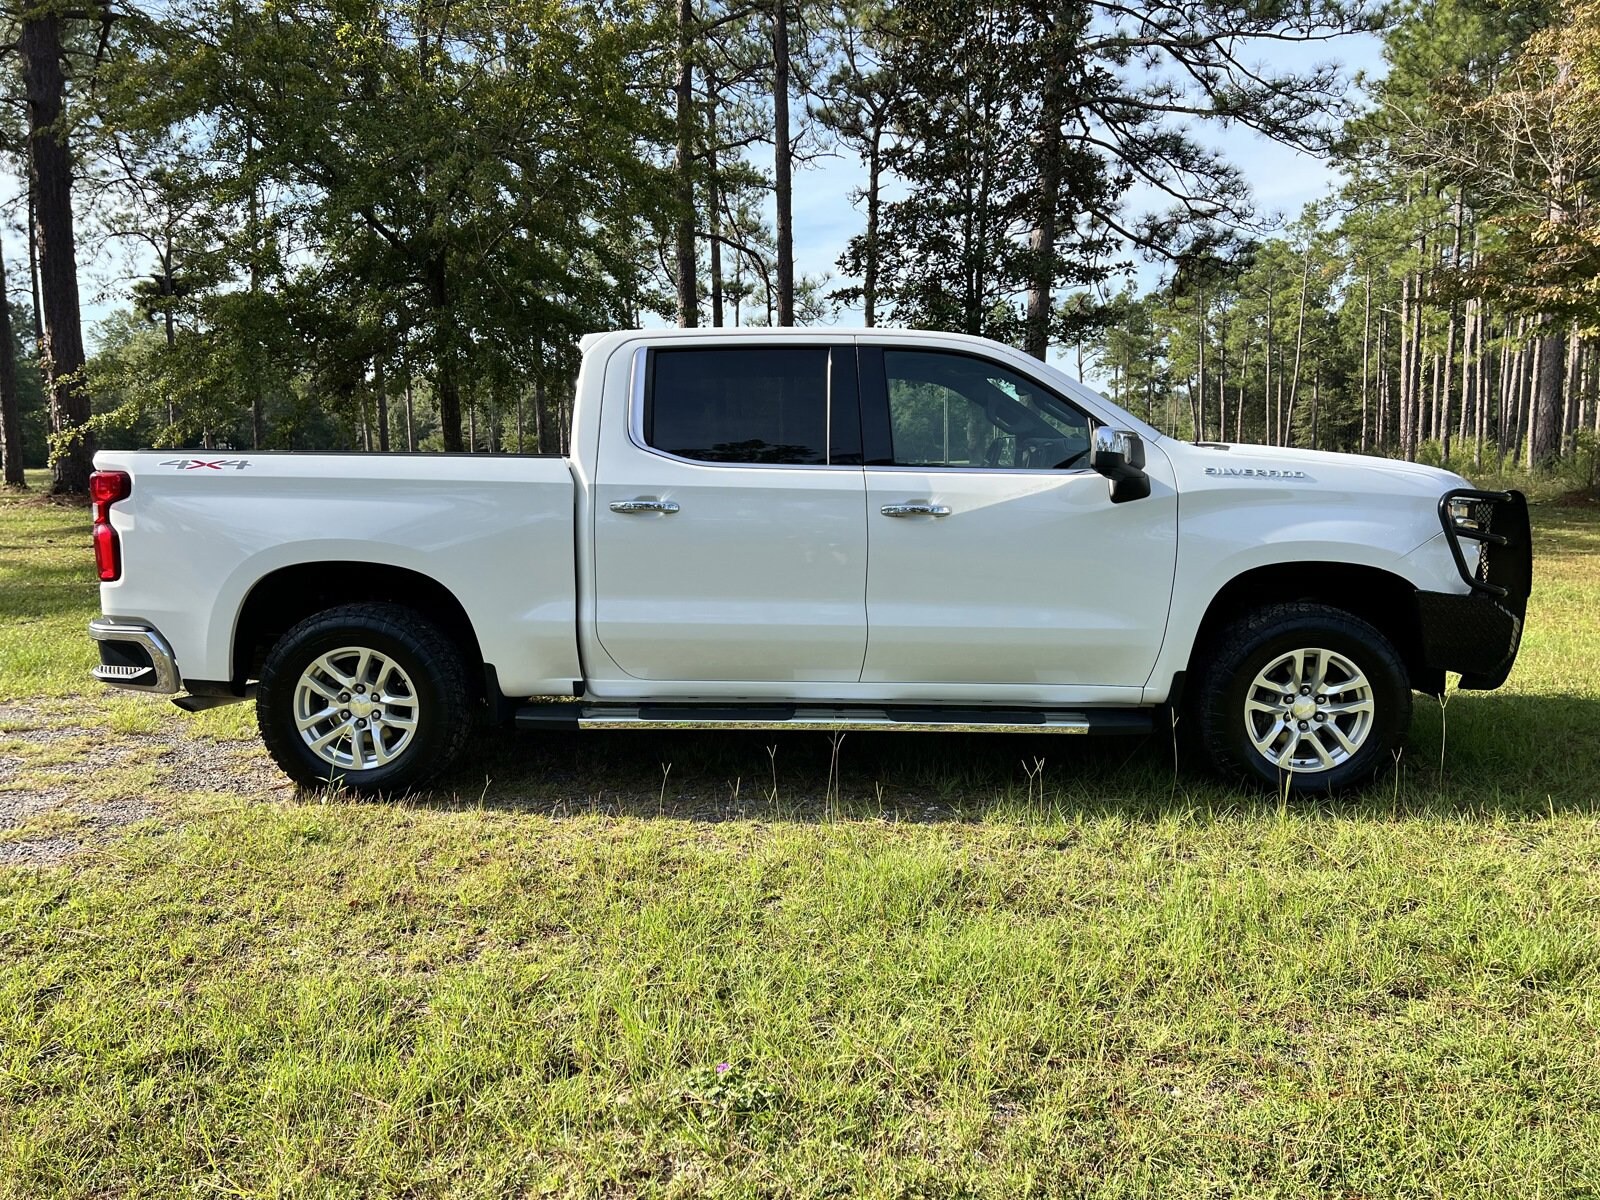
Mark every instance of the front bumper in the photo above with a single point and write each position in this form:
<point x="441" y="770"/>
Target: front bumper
<point x="1478" y="633"/>
<point x="134" y="657"/>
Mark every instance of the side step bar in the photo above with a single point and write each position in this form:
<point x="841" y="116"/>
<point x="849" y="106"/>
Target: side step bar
<point x="893" y="717"/>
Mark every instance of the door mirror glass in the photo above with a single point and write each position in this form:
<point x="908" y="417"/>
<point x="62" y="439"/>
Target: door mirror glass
<point x="1119" y="455"/>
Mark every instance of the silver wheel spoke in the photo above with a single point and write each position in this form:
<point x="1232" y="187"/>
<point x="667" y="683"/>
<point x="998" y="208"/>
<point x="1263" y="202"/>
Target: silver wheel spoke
<point x="325" y="665"/>
<point x="1345" y="743"/>
<point x="1356" y="683"/>
<point x="312" y="683"/>
<point x="1265" y="741"/>
<point x="1323" y="756"/>
<point x="1348" y="706"/>
<point x="326" y="739"/>
<point x="316" y="718"/>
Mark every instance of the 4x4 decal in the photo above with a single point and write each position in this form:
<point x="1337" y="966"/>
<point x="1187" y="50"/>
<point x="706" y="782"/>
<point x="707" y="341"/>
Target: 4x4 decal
<point x="215" y="464"/>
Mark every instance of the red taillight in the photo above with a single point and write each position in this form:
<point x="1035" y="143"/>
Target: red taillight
<point x="105" y="489"/>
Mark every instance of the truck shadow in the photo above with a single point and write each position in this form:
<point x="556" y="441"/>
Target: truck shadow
<point x="1480" y="753"/>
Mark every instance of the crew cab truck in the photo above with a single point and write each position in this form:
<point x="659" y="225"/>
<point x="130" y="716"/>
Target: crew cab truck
<point x="811" y="529"/>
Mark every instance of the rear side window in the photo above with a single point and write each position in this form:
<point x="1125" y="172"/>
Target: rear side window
<point x="759" y="405"/>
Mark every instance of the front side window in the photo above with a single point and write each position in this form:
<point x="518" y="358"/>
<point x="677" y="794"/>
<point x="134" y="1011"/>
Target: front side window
<point x="758" y="405"/>
<point x="954" y="410"/>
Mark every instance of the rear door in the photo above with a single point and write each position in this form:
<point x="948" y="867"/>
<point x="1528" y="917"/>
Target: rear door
<point x="730" y="521"/>
<point x="997" y="556"/>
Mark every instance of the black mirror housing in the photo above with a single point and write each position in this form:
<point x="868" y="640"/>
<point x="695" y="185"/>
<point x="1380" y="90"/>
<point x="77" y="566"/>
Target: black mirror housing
<point x="1118" y="454"/>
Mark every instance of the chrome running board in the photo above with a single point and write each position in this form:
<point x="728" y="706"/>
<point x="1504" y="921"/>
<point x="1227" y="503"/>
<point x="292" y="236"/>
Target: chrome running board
<point x="890" y="718"/>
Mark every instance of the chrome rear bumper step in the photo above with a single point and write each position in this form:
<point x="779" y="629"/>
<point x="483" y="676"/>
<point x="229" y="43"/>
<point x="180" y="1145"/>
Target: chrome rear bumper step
<point x="135" y="657"/>
<point x="891" y="717"/>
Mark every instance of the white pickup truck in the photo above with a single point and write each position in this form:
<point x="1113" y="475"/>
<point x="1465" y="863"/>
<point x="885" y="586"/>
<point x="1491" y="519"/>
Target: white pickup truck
<point x="811" y="529"/>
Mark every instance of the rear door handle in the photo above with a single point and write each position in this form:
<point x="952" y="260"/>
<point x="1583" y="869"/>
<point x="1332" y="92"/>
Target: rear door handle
<point x="915" y="510"/>
<point x="644" y="506"/>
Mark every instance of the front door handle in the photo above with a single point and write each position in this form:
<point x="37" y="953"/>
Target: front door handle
<point x="915" y="510"/>
<point x="644" y="506"/>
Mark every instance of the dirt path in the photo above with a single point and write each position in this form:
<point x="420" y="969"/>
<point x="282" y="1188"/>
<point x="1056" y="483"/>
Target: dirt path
<point x="59" y="772"/>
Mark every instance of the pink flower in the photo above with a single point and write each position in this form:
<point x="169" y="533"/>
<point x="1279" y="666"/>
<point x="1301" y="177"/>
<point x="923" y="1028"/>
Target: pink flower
<point x="724" y="1068"/>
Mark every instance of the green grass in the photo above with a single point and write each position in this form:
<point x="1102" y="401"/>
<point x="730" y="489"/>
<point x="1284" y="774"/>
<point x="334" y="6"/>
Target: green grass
<point x="953" y="972"/>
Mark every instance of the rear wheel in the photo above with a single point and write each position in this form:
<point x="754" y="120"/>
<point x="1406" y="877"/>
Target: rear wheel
<point x="1303" y="696"/>
<point x="372" y="697"/>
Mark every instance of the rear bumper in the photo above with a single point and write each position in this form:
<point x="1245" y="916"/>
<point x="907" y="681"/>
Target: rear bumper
<point x="1478" y="633"/>
<point x="134" y="657"/>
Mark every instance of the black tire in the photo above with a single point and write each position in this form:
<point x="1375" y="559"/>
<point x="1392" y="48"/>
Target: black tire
<point x="437" y="673"/>
<point x="1229" y="666"/>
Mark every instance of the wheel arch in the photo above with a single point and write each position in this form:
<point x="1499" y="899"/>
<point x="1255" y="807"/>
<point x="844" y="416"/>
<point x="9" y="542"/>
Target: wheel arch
<point x="282" y="598"/>
<point x="1383" y="599"/>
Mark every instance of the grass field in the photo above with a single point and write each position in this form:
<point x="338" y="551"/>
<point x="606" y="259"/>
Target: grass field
<point x="906" y="966"/>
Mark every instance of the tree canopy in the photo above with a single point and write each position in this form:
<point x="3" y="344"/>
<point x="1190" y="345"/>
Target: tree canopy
<point x="387" y="224"/>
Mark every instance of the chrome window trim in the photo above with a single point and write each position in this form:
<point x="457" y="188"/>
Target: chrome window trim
<point x="636" y="389"/>
<point x="1051" y="472"/>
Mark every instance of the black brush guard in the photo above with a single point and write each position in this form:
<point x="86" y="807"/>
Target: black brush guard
<point x="1478" y="634"/>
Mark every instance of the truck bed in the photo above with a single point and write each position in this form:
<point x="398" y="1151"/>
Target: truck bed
<point x="496" y="531"/>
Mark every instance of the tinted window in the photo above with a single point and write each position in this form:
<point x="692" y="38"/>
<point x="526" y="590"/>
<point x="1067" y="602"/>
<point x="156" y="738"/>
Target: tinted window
<point x="762" y="405"/>
<point x="954" y="410"/>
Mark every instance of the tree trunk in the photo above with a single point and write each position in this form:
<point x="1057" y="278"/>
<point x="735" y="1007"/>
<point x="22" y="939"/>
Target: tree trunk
<point x="1042" y="241"/>
<point x="1267" y="428"/>
<point x="61" y="352"/>
<point x="10" y="402"/>
<point x="1544" y="429"/>
<point x="688" y="284"/>
<point x="1404" y="414"/>
<point x="411" y="433"/>
<point x="1381" y="433"/>
<point x="33" y="266"/>
<point x="447" y="388"/>
<point x="782" y="161"/>
<point x="379" y="385"/>
<point x="869" y="289"/>
<point x="1221" y="384"/>
<point x="1442" y="412"/>
<point x="1366" y="360"/>
<point x="714" y="216"/>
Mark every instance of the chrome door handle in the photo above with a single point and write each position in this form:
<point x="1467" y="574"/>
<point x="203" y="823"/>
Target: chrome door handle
<point x="644" y="506"/>
<point x="915" y="510"/>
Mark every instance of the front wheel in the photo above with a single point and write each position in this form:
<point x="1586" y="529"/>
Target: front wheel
<point x="371" y="697"/>
<point x="1303" y="696"/>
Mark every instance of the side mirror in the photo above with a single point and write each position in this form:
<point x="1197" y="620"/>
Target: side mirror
<point x="1119" y="456"/>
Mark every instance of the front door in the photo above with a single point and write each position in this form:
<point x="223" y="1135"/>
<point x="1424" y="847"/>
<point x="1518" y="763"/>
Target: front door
<point x="730" y="521"/>
<point x="997" y="556"/>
